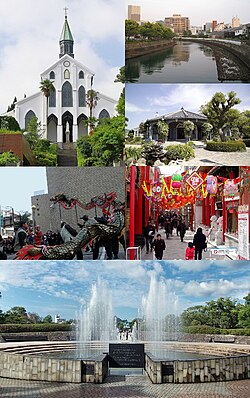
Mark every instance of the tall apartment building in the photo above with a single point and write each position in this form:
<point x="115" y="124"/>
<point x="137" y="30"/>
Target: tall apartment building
<point x="134" y="13"/>
<point x="235" y="22"/>
<point x="178" y="23"/>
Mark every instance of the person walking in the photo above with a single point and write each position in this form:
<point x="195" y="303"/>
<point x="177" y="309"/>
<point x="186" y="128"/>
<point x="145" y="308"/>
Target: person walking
<point x="159" y="247"/>
<point x="168" y="228"/>
<point x="149" y="233"/>
<point x="21" y="236"/>
<point x="199" y="243"/>
<point x="182" y="229"/>
<point x="190" y="251"/>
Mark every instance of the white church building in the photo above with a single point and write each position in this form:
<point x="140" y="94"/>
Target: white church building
<point x="67" y="107"/>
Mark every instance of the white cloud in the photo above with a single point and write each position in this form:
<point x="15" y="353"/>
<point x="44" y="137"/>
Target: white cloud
<point x="215" y="288"/>
<point x="133" y="107"/>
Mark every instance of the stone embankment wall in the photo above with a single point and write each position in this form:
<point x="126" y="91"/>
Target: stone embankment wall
<point x="198" y="371"/>
<point x="136" y="49"/>
<point x="241" y="51"/>
<point x="29" y="367"/>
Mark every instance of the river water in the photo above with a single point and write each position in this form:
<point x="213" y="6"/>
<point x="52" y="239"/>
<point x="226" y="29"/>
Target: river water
<point x="185" y="62"/>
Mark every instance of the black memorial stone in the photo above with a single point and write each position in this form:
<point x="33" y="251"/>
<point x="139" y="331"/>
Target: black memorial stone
<point x="88" y="369"/>
<point x="126" y="356"/>
<point x="167" y="370"/>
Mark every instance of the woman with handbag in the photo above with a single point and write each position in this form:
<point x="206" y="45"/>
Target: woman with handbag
<point x="199" y="243"/>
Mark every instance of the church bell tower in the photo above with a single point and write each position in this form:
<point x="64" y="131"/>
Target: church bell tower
<point x="66" y="39"/>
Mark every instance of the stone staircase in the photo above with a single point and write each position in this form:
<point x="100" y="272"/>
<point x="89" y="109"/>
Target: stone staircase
<point x="67" y="155"/>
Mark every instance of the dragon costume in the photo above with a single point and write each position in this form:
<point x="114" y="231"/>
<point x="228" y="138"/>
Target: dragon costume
<point x="111" y="207"/>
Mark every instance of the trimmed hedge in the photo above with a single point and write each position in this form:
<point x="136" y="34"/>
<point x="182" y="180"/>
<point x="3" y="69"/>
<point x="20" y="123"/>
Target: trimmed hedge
<point x="179" y="151"/>
<point x="229" y="146"/>
<point x="34" y="327"/>
<point x="4" y="131"/>
<point x="247" y="142"/>
<point x="204" y="329"/>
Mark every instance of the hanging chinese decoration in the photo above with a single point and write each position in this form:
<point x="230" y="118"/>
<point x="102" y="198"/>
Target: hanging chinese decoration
<point x="230" y="188"/>
<point x="212" y="185"/>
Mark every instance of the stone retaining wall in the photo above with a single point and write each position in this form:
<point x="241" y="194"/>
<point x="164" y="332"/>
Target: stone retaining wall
<point x="29" y="367"/>
<point x="136" y="49"/>
<point x="52" y="336"/>
<point x="198" y="371"/>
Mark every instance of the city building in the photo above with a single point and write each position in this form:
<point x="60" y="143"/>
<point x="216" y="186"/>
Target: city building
<point x="134" y="13"/>
<point x="80" y="183"/>
<point x="219" y="27"/>
<point x="178" y="23"/>
<point x="67" y="105"/>
<point x="235" y="22"/>
<point x="175" y="122"/>
<point x="214" y="24"/>
<point x="209" y="27"/>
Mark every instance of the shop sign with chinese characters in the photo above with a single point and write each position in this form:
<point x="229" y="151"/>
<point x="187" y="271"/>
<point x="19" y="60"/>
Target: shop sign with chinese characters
<point x="243" y="232"/>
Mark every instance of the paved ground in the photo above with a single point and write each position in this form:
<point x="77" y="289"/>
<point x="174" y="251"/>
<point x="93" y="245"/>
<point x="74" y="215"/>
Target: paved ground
<point x="123" y="387"/>
<point x="176" y="249"/>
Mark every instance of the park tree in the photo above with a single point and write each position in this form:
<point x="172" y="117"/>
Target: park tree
<point x="34" y="317"/>
<point x="222" y="313"/>
<point x="47" y="87"/>
<point x="163" y="130"/>
<point x="244" y="124"/>
<point x="244" y="313"/>
<point x="188" y="129"/>
<point x="195" y="315"/>
<point x="47" y="319"/>
<point x="220" y="113"/>
<point x="206" y="129"/>
<point x="132" y="28"/>
<point x="120" y="78"/>
<point x="152" y="152"/>
<point x="16" y="315"/>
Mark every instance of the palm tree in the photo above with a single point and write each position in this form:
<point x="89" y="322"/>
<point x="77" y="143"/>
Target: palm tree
<point x="91" y="99"/>
<point x="46" y="88"/>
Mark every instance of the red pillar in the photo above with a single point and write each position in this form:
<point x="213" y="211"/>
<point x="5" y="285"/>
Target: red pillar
<point x="132" y="210"/>
<point x="138" y="205"/>
<point x="224" y="215"/>
<point x="207" y="211"/>
<point x="203" y="212"/>
<point x="192" y="217"/>
<point x="147" y="202"/>
<point x="212" y="205"/>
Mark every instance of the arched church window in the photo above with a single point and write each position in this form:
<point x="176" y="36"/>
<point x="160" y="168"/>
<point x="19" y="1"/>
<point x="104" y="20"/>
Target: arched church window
<point x="104" y="114"/>
<point x="52" y="75"/>
<point x="29" y="115"/>
<point x="52" y="99"/>
<point x="66" y="74"/>
<point x="81" y="96"/>
<point x="67" y="96"/>
<point x="81" y="75"/>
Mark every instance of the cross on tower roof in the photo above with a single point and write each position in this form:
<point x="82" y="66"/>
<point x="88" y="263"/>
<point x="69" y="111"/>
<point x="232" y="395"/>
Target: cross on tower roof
<point x="66" y="10"/>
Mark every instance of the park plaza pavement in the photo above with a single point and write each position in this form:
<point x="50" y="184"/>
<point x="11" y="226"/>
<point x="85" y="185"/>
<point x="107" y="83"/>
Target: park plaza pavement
<point x="175" y="249"/>
<point x="123" y="387"/>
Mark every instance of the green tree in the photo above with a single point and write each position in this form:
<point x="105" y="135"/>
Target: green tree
<point x="108" y="141"/>
<point x="9" y="123"/>
<point x="151" y="152"/>
<point x="120" y="77"/>
<point x="222" y="313"/>
<point x="132" y="28"/>
<point x="47" y="319"/>
<point x="163" y="130"/>
<point x="16" y="315"/>
<point x="244" y="124"/>
<point x="194" y="316"/>
<point x="92" y="100"/>
<point x="188" y="129"/>
<point x="47" y="88"/>
<point x="206" y="129"/>
<point x="220" y="113"/>
<point x="244" y="313"/>
<point x="34" y="317"/>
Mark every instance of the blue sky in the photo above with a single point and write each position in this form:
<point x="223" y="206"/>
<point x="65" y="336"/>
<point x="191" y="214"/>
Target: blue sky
<point x="198" y="11"/>
<point x="62" y="287"/>
<point x="144" y="100"/>
<point x="19" y="184"/>
<point x="29" y="43"/>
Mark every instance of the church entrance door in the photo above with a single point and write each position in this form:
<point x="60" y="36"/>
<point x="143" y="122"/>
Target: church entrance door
<point x="67" y="123"/>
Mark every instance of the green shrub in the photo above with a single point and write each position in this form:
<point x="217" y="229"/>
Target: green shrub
<point x="230" y="146"/>
<point x="179" y="151"/>
<point x="4" y="131"/>
<point x="201" y="329"/>
<point x="247" y="141"/>
<point x="34" y="327"/>
<point x="8" y="158"/>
